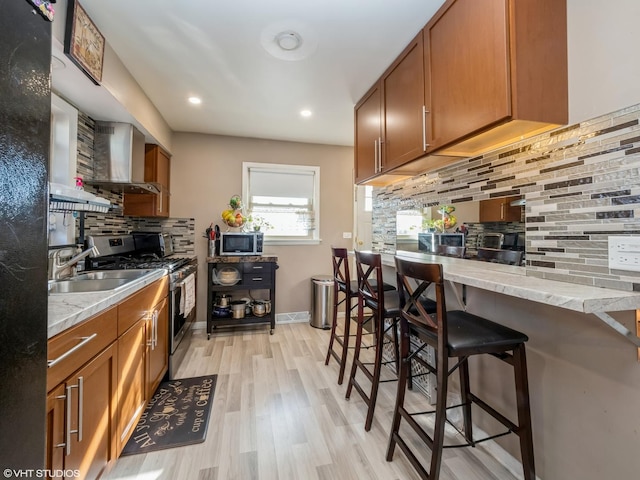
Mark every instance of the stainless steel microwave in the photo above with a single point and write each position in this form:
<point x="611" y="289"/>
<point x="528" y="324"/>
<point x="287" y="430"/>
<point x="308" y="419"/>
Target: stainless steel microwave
<point x="241" y="243"/>
<point x="428" y="242"/>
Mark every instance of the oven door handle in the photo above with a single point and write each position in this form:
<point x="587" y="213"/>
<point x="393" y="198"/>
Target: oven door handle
<point x="180" y="284"/>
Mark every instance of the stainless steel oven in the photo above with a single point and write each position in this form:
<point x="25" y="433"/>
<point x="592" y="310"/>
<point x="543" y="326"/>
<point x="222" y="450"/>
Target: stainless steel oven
<point x="155" y="250"/>
<point x="180" y="322"/>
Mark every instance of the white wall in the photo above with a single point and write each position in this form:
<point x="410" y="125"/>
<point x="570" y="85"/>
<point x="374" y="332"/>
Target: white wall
<point x="604" y="66"/>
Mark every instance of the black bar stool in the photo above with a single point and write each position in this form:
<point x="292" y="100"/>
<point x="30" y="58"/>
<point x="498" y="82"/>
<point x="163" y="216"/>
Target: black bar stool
<point x="346" y="288"/>
<point x="459" y="335"/>
<point x="384" y="306"/>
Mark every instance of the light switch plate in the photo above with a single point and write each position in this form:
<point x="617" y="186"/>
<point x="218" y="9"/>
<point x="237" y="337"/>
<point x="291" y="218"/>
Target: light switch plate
<point x="624" y="253"/>
<point x="346" y="234"/>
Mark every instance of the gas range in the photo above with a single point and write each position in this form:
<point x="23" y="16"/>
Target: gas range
<point x="140" y="250"/>
<point x="118" y="262"/>
<point x="154" y="250"/>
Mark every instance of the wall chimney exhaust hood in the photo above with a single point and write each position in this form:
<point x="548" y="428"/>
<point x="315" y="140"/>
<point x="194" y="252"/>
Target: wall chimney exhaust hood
<point x="119" y="159"/>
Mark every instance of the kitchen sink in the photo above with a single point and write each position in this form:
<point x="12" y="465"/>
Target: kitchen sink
<point x="84" y="286"/>
<point x="95" y="281"/>
<point x="110" y="274"/>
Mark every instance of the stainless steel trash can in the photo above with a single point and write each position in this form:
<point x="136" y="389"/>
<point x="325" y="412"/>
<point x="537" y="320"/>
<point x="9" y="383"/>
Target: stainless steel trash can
<point x="321" y="301"/>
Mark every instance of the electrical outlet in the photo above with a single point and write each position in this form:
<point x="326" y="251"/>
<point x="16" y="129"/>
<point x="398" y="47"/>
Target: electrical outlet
<point x="624" y="253"/>
<point x="346" y="234"/>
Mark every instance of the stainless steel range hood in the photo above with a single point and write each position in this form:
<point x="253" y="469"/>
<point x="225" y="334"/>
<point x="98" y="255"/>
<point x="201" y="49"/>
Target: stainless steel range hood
<point x="119" y="158"/>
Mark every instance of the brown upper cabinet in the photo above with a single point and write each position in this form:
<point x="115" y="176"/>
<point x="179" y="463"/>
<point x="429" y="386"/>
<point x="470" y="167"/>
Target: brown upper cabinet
<point x="403" y="106"/>
<point x="157" y="167"/>
<point x="493" y="72"/>
<point x="389" y="120"/>
<point x="500" y="210"/>
<point x="368" y="135"/>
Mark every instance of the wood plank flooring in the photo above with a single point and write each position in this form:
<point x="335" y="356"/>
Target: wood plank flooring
<point x="278" y="413"/>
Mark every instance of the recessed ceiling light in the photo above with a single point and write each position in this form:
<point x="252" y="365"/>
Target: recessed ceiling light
<point x="305" y="113"/>
<point x="195" y="100"/>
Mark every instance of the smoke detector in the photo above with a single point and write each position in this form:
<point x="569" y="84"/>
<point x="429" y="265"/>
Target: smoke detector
<point x="288" y="40"/>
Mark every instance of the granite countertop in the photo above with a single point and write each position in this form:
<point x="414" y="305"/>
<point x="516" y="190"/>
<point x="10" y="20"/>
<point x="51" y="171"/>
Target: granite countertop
<point x="265" y="257"/>
<point x="69" y="309"/>
<point x="512" y="280"/>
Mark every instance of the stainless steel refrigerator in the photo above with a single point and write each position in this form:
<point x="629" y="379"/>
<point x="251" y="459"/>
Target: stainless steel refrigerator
<point x="25" y="106"/>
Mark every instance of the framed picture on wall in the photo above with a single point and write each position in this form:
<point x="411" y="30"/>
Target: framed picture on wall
<point x="83" y="42"/>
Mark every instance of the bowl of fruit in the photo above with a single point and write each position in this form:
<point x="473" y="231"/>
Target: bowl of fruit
<point x="233" y="218"/>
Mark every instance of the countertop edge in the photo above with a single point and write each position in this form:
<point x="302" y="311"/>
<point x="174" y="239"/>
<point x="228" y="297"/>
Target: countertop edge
<point x="66" y="310"/>
<point x="513" y="281"/>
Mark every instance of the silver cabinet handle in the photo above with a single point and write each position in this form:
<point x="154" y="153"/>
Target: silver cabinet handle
<point x="63" y="397"/>
<point x="502" y="211"/>
<point x="156" y="314"/>
<point x="84" y="341"/>
<point x="257" y="279"/>
<point x="153" y="319"/>
<point x="150" y="320"/>
<point x="67" y="435"/>
<point x="424" y="128"/>
<point x="78" y="431"/>
<point x="380" y="142"/>
<point x="80" y="406"/>
<point x="375" y="156"/>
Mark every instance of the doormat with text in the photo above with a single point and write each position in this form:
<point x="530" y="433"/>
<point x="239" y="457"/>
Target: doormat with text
<point x="177" y="415"/>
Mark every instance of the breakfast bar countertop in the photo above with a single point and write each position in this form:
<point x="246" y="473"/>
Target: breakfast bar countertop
<point x="513" y="281"/>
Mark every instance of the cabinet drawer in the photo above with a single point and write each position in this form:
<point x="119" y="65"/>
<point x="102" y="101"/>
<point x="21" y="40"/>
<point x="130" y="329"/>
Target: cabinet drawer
<point x="257" y="280"/>
<point x="264" y="268"/>
<point x="140" y="303"/>
<point x="72" y="348"/>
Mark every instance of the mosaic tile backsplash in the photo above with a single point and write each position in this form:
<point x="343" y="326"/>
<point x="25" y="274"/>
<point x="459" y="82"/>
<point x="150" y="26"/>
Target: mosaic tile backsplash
<point x="581" y="184"/>
<point x="113" y="222"/>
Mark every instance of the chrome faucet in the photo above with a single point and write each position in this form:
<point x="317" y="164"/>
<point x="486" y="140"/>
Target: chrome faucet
<point x="57" y="269"/>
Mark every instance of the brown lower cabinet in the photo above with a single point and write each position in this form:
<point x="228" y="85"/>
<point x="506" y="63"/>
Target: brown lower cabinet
<point x="132" y="396"/>
<point x="81" y="415"/>
<point x="100" y="378"/>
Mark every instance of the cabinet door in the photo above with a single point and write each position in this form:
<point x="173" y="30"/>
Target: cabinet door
<point x="132" y="399"/>
<point x="499" y="210"/>
<point x="147" y="204"/>
<point x="54" y="442"/>
<point x="403" y="90"/>
<point x="92" y="396"/>
<point x="157" y="165"/>
<point x="157" y="346"/>
<point x="466" y="69"/>
<point x="368" y="135"/>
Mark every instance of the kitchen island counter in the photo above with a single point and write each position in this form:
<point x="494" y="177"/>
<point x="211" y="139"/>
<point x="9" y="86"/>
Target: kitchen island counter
<point x="512" y="280"/>
<point x="69" y="309"/>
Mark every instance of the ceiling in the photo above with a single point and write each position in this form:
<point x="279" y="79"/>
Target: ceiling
<point x="225" y="52"/>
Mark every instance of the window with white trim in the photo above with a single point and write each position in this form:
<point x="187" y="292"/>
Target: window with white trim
<point x="286" y="198"/>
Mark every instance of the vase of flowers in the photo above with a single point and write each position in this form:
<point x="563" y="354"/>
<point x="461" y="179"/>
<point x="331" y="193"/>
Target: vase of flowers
<point x="258" y="223"/>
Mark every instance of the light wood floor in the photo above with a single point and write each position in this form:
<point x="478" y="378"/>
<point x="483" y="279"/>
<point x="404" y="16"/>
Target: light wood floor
<point x="278" y="413"/>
